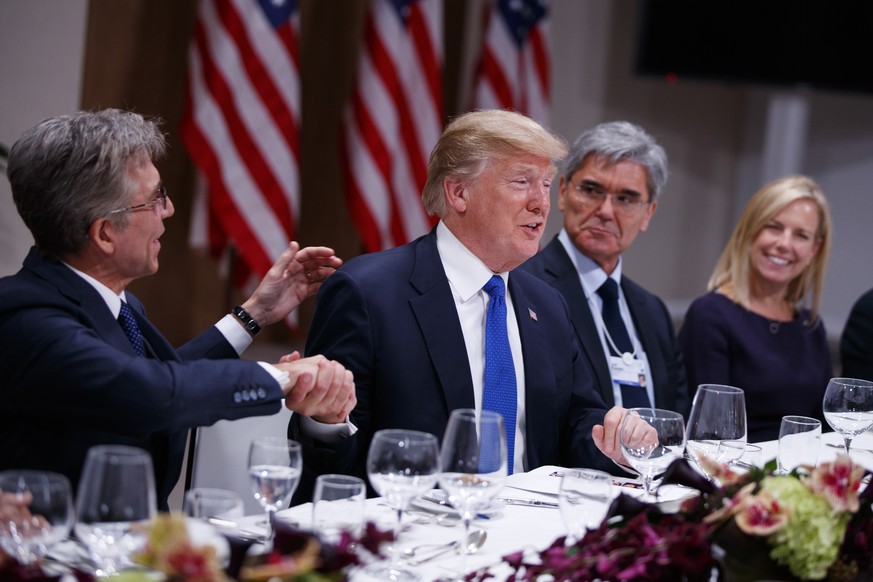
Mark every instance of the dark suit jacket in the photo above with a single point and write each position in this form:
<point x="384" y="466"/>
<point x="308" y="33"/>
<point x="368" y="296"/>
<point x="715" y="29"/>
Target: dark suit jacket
<point x="651" y="319"/>
<point x="70" y="379"/>
<point x="856" y="345"/>
<point x="390" y="318"/>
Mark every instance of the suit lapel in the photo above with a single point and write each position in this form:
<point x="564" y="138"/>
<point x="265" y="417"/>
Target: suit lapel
<point x="156" y="341"/>
<point x="442" y="334"/>
<point x="566" y="280"/>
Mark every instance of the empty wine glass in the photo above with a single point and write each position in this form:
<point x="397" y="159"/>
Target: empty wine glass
<point x="650" y="453"/>
<point x="275" y="465"/>
<point x="401" y="465"/>
<point x="115" y="501"/>
<point x="848" y="407"/>
<point x="716" y="426"/>
<point x="583" y="498"/>
<point x="221" y="506"/>
<point x="472" y="464"/>
<point x="36" y="511"/>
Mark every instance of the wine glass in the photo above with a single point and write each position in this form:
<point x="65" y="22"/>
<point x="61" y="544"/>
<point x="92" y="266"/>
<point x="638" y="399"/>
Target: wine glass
<point x="275" y="465"/>
<point x="650" y="453"/>
<point x="716" y="426"/>
<point x="115" y="501"/>
<point x="36" y="511"/>
<point x="583" y="498"/>
<point x="472" y="464"/>
<point x="219" y="506"/>
<point x="848" y="407"/>
<point x="401" y="465"/>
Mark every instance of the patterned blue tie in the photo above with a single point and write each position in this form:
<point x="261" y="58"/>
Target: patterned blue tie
<point x="500" y="386"/>
<point x="131" y="329"/>
<point x="631" y="396"/>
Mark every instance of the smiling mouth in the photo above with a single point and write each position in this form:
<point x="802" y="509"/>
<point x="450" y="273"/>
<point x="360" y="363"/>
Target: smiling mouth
<point x="779" y="261"/>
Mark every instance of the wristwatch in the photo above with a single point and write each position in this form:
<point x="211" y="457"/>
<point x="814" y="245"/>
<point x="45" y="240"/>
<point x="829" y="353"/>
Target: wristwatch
<point x="247" y="320"/>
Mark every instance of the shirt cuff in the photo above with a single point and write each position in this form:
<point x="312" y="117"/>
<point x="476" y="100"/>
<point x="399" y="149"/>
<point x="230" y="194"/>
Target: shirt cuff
<point x="328" y="433"/>
<point x="233" y="332"/>
<point x="280" y="376"/>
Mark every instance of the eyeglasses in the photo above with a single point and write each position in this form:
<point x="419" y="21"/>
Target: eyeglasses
<point x="622" y="203"/>
<point x="161" y="199"/>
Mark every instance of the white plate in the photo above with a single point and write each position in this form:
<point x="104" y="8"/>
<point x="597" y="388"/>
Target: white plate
<point x="438" y="495"/>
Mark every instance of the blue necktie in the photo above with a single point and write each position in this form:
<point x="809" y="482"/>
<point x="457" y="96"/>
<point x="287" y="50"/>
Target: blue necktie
<point x="131" y="329"/>
<point x="631" y="396"/>
<point x="500" y="386"/>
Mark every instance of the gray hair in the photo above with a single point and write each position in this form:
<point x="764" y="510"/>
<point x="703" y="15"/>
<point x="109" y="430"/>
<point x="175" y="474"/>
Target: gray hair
<point x="68" y="171"/>
<point x="477" y="138"/>
<point x="620" y="141"/>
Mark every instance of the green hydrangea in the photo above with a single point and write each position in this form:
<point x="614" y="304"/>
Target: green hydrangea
<point x="811" y="541"/>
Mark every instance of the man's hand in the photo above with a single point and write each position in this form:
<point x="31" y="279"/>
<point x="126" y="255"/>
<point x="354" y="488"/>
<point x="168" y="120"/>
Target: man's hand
<point x="319" y="388"/>
<point x="297" y="274"/>
<point x="607" y="436"/>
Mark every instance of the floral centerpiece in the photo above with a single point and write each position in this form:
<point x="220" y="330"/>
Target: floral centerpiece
<point x="811" y="524"/>
<point x="296" y="555"/>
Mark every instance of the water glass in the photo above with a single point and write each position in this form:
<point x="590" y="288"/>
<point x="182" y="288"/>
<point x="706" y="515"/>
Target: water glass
<point x="799" y="442"/>
<point x="214" y="504"/>
<point x="275" y="465"/>
<point x="716" y="431"/>
<point x="338" y="505"/>
<point x="848" y="407"/>
<point x="36" y="511"/>
<point x="584" y="498"/>
<point x="116" y="500"/>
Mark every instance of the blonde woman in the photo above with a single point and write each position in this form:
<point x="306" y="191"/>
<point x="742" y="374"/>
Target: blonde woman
<point x="758" y="328"/>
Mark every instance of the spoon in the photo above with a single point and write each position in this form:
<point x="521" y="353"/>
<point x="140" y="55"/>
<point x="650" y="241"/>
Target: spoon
<point x="474" y="542"/>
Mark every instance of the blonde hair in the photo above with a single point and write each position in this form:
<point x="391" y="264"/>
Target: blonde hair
<point x="733" y="265"/>
<point x="475" y="139"/>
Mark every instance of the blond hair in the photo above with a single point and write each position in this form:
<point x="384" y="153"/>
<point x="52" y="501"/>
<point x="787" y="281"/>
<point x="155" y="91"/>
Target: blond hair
<point x="733" y="265"/>
<point x="477" y="138"/>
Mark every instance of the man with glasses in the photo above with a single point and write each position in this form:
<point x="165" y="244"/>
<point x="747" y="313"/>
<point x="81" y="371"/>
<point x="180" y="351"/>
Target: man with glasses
<point x="610" y="183"/>
<point x="81" y="365"/>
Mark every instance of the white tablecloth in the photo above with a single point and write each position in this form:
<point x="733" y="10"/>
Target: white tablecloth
<point x="518" y="527"/>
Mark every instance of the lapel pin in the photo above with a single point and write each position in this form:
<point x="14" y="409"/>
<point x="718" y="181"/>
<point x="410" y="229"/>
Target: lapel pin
<point x="532" y="313"/>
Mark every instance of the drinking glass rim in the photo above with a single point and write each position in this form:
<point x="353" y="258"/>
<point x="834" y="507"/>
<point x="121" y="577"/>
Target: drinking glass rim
<point x="656" y="413"/>
<point x="720" y="388"/>
<point x="853" y="382"/>
<point x="802" y="420"/>
<point x="405" y="434"/>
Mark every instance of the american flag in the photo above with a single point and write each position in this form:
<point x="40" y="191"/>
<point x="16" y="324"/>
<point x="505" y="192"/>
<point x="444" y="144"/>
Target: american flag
<point x="240" y="126"/>
<point x="514" y="68"/>
<point x="393" y="120"/>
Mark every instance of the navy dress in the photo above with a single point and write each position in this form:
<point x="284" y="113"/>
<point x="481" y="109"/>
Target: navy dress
<point x="783" y="367"/>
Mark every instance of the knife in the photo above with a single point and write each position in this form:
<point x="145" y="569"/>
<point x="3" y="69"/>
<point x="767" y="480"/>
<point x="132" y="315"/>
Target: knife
<point x="527" y="502"/>
<point x="445" y="504"/>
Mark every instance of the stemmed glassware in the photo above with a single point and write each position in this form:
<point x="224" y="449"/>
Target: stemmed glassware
<point x="848" y="407"/>
<point x="401" y="465"/>
<point x="116" y="499"/>
<point x="38" y="515"/>
<point x="650" y="453"/>
<point x="583" y="498"/>
<point x="275" y="465"/>
<point x="473" y="464"/>
<point x="716" y="426"/>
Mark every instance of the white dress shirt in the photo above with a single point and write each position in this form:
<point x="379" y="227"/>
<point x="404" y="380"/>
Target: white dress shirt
<point x="467" y="275"/>
<point x="592" y="277"/>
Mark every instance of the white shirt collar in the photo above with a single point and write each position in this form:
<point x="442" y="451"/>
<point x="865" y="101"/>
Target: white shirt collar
<point x="113" y="301"/>
<point x="465" y="271"/>
<point x="590" y="272"/>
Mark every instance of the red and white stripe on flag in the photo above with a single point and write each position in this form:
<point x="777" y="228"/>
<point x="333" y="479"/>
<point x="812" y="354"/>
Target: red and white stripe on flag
<point x="240" y="126"/>
<point x="393" y="120"/>
<point x="514" y="71"/>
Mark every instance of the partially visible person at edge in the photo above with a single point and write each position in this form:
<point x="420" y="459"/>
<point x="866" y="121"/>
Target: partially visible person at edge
<point x="610" y="185"/>
<point x="410" y="322"/>
<point x="82" y="365"/>
<point x="753" y="330"/>
<point x="856" y="344"/>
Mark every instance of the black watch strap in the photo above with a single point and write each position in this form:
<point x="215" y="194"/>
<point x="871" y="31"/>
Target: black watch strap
<point x="247" y="320"/>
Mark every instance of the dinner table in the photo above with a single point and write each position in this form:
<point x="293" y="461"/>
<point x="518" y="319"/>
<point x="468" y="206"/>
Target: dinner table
<point x="524" y="516"/>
